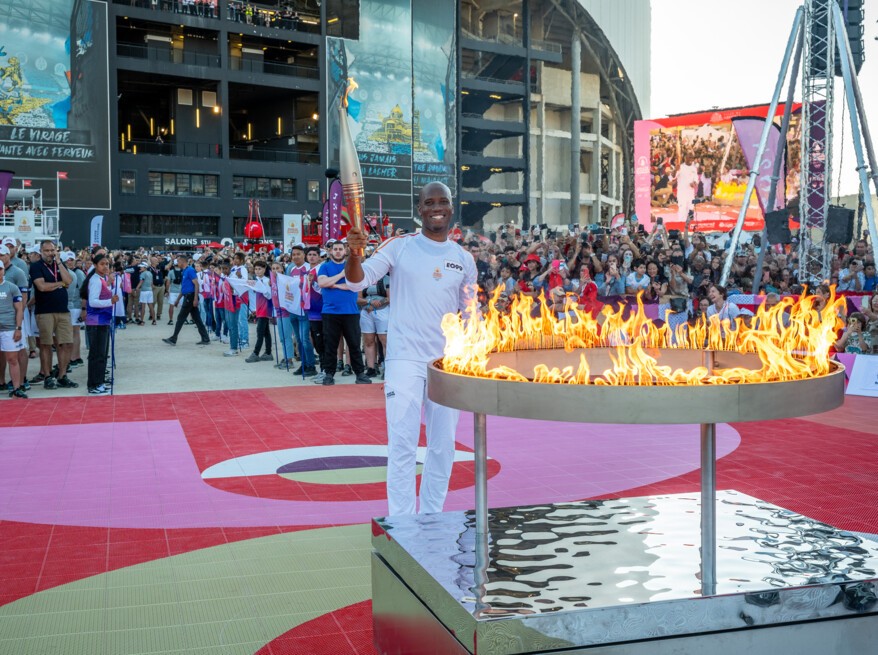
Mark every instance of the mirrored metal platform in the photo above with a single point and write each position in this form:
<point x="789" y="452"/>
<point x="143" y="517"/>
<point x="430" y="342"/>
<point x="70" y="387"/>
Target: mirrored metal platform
<point x="584" y="574"/>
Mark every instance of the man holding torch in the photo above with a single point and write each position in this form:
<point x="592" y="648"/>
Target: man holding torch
<point x="430" y="276"/>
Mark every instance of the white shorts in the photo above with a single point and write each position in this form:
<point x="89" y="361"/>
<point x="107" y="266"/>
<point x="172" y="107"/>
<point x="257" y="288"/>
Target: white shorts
<point x="146" y="296"/>
<point x="10" y="345"/>
<point x="173" y="298"/>
<point x="76" y="319"/>
<point x="374" y="322"/>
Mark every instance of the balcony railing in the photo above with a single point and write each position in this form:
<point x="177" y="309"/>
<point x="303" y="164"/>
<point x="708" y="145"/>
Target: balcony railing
<point x="273" y="68"/>
<point x="174" y="148"/>
<point x="45" y="222"/>
<point x="171" y="55"/>
<point x="250" y="14"/>
<point x="202" y="8"/>
<point x="272" y="154"/>
<point x="470" y="75"/>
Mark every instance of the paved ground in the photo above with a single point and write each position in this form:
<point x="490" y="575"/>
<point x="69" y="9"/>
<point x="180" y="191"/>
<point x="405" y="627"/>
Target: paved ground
<point x="144" y="364"/>
<point x="233" y="519"/>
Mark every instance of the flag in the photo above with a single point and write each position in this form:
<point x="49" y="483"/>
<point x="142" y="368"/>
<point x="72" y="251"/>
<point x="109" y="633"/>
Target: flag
<point x="275" y="302"/>
<point x="243" y="286"/>
<point x="289" y="293"/>
<point x="5" y="181"/>
<point x="749" y="131"/>
<point x="97" y="230"/>
<point x="62" y="175"/>
<point x="336" y="197"/>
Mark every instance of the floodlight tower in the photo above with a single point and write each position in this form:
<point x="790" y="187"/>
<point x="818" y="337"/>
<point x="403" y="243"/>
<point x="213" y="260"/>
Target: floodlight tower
<point x="818" y="72"/>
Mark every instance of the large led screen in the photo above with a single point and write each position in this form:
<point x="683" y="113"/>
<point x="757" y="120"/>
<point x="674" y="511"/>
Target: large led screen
<point x="402" y="115"/>
<point x="698" y="165"/>
<point x="54" y="104"/>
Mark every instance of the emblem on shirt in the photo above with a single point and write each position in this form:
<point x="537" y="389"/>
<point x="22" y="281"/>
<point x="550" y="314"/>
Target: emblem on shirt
<point x="453" y="266"/>
<point x="437" y="274"/>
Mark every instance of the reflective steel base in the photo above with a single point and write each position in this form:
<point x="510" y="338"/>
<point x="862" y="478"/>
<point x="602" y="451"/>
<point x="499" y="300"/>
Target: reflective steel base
<point x="611" y="572"/>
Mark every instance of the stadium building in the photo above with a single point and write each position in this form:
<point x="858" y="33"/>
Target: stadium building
<point x="169" y="116"/>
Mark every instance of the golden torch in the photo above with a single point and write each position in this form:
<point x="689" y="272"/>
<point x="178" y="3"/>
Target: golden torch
<point x="349" y="165"/>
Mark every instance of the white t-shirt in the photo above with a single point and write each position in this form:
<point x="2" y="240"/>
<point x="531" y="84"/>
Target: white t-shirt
<point x="428" y="279"/>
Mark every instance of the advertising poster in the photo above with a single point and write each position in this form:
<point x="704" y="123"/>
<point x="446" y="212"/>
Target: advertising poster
<point x="699" y="163"/>
<point x="54" y="104"/>
<point x="292" y="230"/>
<point x="402" y="114"/>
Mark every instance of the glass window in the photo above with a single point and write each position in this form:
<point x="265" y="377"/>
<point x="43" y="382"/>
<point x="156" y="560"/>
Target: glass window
<point x="289" y="189"/>
<point x="313" y="190"/>
<point x="196" y="185"/>
<point x="276" y="188"/>
<point x="262" y="187"/>
<point x="249" y="187"/>
<point x="182" y="184"/>
<point x="128" y="183"/>
<point x="155" y="183"/>
<point x="160" y="225"/>
<point x="211" y="186"/>
<point x="169" y="184"/>
<point x="237" y="186"/>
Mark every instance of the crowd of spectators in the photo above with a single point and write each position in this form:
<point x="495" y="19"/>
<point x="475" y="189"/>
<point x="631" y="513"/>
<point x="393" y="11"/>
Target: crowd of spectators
<point x="677" y="272"/>
<point x="284" y="17"/>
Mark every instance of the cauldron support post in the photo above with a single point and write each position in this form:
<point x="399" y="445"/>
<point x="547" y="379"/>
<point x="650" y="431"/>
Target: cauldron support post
<point x="480" y="449"/>
<point x="708" y="497"/>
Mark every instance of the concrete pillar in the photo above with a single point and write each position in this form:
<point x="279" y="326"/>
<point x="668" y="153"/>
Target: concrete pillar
<point x="596" y="165"/>
<point x="614" y="170"/>
<point x="540" y="184"/>
<point x="575" y="111"/>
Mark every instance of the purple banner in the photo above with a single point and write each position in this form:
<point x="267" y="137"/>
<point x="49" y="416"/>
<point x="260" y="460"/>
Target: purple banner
<point x="816" y="192"/>
<point x="336" y="199"/>
<point x="5" y="182"/>
<point x="324" y="223"/>
<point x="749" y="131"/>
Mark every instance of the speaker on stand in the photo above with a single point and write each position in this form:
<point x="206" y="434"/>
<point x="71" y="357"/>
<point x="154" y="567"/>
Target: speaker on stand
<point x="777" y="226"/>
<point x="839" y="225"/>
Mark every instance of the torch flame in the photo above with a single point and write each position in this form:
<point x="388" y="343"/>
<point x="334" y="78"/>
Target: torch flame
<point x="792" y="340"/>
<point x="349" y="89"/>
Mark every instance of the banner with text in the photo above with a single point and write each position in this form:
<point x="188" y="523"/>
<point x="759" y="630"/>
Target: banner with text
<point x="54" y="101"/>
<point x="292" y="230"/>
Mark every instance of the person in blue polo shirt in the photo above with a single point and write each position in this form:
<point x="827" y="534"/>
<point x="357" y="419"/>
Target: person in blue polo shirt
<point x="189" y="295"/>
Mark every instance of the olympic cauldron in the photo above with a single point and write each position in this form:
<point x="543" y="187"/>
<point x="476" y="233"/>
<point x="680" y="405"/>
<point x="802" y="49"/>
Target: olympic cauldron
<point x="577" y="576"/>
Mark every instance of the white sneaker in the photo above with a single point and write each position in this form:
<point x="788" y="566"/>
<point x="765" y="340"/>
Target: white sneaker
<point x="99" y="390"/>
<point x="318" y="379"/>
<point x="230" y="353"/>
<point x="215" y="338"/>
<point x="224" y="339"/>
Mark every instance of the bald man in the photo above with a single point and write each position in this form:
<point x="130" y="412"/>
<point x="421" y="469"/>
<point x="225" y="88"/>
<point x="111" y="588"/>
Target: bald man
<point x="430" y="276"/>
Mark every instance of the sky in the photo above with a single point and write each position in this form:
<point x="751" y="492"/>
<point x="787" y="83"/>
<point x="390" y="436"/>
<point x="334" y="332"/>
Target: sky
<point x="728" y="53"/>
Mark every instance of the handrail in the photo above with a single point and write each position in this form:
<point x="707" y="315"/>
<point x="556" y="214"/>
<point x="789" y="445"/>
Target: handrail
<point x="273" y="67"/>
<point x="171" y="55"/>
<point x="174" y="148"/>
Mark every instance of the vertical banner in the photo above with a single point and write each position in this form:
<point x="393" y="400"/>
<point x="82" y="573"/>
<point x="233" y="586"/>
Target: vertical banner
<point x="386" y="132"/>
<point x="97" y="230"/>
<point x="749" y="131"/>
<point x="324" y="225"/>
<point x="5" y="182"/>
<point x="292" y="230"/>
<point x="24" y="224"/>
<point x="336" y="199"/>
<point x="434" y="101"/>
<point x="275" y="301"/>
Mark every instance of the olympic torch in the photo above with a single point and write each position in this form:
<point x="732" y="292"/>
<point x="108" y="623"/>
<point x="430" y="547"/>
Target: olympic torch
<point x="349" y="165"/>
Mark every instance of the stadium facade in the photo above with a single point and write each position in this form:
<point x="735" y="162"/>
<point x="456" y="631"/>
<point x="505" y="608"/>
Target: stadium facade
<point x="169" y="116"/>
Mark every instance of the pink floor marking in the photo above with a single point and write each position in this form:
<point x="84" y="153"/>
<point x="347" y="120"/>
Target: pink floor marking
<point x="143" y="474"/>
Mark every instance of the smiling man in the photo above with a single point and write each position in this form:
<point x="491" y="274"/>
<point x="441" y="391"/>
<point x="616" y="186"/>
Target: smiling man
<point x="430" y="276"/>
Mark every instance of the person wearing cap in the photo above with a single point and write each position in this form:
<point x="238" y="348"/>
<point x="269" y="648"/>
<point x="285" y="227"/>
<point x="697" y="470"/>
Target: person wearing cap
<point x="430" y="276"/>
<point x="11" y="340"/>
<point x="158" y="285"/>
<point x="147" y="300"/>
<point x="16" y="276"/>
<point x="74" y="305"/>
<point x="50" y="279"/>
<point x="14" y="245"/>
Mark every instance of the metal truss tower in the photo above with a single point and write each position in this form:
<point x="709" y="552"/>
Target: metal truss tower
<point x="818" y="71"/>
